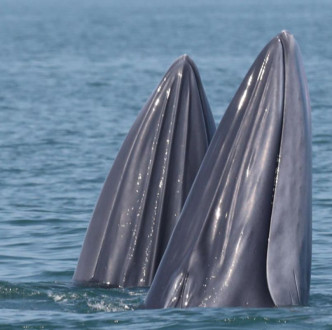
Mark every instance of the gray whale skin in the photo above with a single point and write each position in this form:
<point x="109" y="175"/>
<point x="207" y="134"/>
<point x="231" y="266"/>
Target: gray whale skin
<point x="148" y="183"/>
<point x="244" y="235"/>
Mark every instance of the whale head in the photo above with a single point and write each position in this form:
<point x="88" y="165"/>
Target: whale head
<point x="244" y="235"/>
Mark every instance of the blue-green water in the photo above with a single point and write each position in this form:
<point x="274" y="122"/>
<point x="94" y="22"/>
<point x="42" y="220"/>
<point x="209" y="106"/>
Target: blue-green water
<point x="73" y="76"/>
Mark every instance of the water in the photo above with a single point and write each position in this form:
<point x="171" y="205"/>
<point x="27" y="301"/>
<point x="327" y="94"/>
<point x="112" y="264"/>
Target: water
<point x="73" y="75"/>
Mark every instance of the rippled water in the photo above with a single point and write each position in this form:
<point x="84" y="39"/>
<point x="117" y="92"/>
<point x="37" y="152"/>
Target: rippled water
<point x="73" y="75"/>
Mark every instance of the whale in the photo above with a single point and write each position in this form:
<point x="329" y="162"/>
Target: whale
<point x="148" y="183"/>
<point x="243" y="238"/>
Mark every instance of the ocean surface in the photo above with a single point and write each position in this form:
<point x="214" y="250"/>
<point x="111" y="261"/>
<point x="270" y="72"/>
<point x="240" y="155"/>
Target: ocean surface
<point x="73" y="76"/>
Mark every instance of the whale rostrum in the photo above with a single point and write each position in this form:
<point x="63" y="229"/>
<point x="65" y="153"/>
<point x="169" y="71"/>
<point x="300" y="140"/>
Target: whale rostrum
<point x="244" y="235"/>
<point x="148" y="183"/>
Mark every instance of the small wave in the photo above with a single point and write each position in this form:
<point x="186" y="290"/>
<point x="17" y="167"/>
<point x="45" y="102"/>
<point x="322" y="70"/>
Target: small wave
<point x="103" y="306"/>
<point x="66" y="297"/>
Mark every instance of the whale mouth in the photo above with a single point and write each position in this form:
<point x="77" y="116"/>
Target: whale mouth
<point x="148" y="183"/>
<point x="244" y="234"/>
